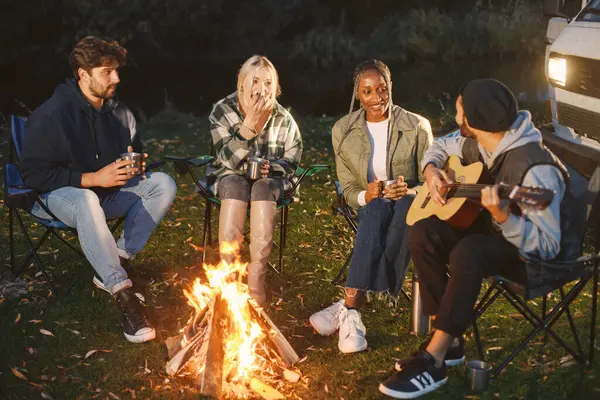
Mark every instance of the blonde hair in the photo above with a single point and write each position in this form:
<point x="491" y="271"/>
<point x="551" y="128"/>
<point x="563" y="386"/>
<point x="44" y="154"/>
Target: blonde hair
<point x="254" y="63"/>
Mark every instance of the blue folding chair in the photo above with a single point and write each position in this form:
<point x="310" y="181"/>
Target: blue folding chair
<point x="20" y="199"/>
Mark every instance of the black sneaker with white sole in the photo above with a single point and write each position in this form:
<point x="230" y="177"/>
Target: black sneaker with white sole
<point x="454" y="356"/>
<point x="417" y="377"/>
<point x="136" y="327"/>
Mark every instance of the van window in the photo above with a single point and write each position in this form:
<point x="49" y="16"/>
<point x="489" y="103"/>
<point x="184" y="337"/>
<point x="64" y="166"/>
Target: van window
<point x="591" y="12"/>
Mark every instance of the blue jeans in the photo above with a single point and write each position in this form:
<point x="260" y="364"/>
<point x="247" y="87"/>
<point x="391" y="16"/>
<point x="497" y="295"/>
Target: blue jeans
<point x="143" y="203"/>
<point x="380" y="257"/>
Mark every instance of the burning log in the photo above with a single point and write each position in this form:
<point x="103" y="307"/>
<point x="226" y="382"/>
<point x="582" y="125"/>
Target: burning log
<point x="210" y="379"/>
<point x="284" y="348"/>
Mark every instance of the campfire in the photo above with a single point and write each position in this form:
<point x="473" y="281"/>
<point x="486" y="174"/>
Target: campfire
<point x="230" y="347"/>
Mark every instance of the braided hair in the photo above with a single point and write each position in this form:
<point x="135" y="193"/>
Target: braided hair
<point x="369" y="65"/>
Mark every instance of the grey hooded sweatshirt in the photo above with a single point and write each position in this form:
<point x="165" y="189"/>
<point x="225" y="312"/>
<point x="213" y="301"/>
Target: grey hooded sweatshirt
<point x="535" y="234"/>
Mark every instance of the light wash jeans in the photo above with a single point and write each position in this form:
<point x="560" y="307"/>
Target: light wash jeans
<point x="143" y="203"/>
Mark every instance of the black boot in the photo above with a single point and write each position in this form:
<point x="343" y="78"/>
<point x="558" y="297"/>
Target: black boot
<point x="136" y="327"/>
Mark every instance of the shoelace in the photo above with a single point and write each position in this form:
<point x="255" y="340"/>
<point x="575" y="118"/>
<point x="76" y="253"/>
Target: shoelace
<point x="353" y="319"/>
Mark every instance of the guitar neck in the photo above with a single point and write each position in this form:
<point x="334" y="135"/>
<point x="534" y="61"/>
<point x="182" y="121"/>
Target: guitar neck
<point x="473" y="191"/>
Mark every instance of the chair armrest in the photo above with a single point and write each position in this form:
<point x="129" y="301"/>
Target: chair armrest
<point x="586" y="260"/>
<point x="154" y="165"/>
<point x="16" y="193"/>
<point x="191" y="161"/>
<point x="301" y="173"/>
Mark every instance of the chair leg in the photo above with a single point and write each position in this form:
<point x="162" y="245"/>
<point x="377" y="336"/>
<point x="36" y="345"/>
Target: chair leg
<point x="539" y="324"/>
<point x="210" y="206"/>
<point x="34" y="248"/>
<point x="594" y="309"/>
<point x="11" y="239"/>
<point x="75" y="249"/>
<point x="572" y="325"/>
<point x="406" y="295"/>
<point x="340" y="274"/>
<point x="282" y="235"/>
<point x="478" y="339"/>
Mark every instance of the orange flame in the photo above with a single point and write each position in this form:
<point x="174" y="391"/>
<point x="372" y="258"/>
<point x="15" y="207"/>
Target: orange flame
<point x="244" y="333"/>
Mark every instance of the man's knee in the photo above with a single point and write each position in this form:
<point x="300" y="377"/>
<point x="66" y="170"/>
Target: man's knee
<point x="467" y="256"/>
<point x="163" y="184"/>
<point x="86" y="199"/>
<point x="233" y="187"/>
<point x="420" y="234"/>
<point x="266" y="190"/>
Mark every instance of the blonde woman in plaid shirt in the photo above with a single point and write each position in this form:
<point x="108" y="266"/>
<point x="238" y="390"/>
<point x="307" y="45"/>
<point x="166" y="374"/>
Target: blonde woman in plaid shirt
<point x="248" y="123"/>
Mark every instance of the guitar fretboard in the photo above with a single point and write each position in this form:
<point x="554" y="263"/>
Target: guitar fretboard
<point x="473" y="191"/>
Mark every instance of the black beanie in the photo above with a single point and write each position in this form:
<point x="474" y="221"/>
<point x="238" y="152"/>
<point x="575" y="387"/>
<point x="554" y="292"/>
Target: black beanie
<point x="489" y="105"/>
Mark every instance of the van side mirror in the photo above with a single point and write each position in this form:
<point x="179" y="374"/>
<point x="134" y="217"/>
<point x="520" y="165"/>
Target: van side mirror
<point x="555" y="27"/>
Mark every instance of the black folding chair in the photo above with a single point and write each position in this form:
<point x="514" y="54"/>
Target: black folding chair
<point x="544" y="277"/>
<point x="19" y="199"/>
<point x="340" y="207"/>
<point x="184" y="165"/>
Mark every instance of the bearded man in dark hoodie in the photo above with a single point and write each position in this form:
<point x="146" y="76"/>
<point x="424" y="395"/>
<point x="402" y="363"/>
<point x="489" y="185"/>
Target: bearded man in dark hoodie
<point x="71" y="156"/>
<point x="451" y="264"/>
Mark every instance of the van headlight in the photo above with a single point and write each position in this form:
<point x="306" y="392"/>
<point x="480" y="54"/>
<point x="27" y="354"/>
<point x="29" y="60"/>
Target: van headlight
<point x="557" y="70"/>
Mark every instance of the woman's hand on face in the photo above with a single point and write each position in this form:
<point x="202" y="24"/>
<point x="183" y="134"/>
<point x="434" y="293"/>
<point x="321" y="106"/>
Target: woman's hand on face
<point x="396" y="190"/>
<point x="373" y="191"/>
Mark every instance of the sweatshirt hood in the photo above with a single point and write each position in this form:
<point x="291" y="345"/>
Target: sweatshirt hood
<point x="69" y="90"/>
<point x="521" y="132"/>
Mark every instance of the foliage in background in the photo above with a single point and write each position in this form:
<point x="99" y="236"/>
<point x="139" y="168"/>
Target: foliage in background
<point x="310" y="41"/>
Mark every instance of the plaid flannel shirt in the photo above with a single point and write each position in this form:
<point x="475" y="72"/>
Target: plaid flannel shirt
<point x="279" y="142"/>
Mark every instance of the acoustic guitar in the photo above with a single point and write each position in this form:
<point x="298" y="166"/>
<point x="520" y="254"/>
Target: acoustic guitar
<point x="463" y="197"/>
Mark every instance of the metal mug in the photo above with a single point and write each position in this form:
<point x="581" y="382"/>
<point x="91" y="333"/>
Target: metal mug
<point x="478" y="374"/>
<point x="384" y="184"/>
<point x="137" y="162"/>
<point x="254" y="166"/>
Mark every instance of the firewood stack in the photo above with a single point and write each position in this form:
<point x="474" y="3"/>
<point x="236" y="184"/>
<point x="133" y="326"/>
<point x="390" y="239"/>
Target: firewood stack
<point x="200" y="349"/>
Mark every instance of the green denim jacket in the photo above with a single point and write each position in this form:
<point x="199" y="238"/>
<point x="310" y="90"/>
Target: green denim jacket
<point x="408" y="139"/>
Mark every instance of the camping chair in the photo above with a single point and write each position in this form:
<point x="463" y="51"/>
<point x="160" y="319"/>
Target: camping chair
<point x="340" y="207"/>
<point x="544" y="277"/>
<point x="184" y="165"/>
<point x="19" y="199"/>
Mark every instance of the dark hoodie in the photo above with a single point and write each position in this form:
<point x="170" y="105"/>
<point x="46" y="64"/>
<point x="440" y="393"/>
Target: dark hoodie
<point x="66" y="137"/>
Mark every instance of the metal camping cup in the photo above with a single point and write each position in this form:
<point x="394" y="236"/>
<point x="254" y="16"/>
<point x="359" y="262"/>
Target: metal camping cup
<point x="137" y="162"/>
<point x="384" y="184"/>
<point x="254" y="166"/>
<point x="478" y="373"/>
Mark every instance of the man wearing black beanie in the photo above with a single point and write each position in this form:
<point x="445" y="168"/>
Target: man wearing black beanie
<point x="493" y="131"/>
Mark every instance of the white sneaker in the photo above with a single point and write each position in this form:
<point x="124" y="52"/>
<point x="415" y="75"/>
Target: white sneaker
<point x="327" y="321"/>
<point x="352" y="332"/>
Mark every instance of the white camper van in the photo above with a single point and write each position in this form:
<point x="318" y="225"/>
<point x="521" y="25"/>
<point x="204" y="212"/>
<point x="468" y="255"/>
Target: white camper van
<point x="573" y="73"/>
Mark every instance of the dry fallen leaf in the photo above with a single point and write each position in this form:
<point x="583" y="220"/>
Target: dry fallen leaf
<point x="45" y="332"/>
<point x="2" y="300"/>
<point x="18" y="374"/>
<point x="197" y="248"/>
<point x="46" y="396"/>
<point x="326" y="389"/>
<point x="18" y="318"/>
<point x="34" y="321"/>
<point x="114" y="396"/>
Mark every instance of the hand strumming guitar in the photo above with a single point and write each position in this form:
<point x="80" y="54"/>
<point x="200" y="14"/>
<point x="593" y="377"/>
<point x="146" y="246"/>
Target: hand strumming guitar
<point x="437" y="181"/>
<point x="491" y="201"/>
<point x="373" y="191"/>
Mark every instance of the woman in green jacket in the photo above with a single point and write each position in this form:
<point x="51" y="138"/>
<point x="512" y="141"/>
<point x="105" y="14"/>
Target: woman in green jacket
<point x="379" y="142"/>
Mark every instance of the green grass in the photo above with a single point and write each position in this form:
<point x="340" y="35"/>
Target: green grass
<point x="318" y="242"/>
